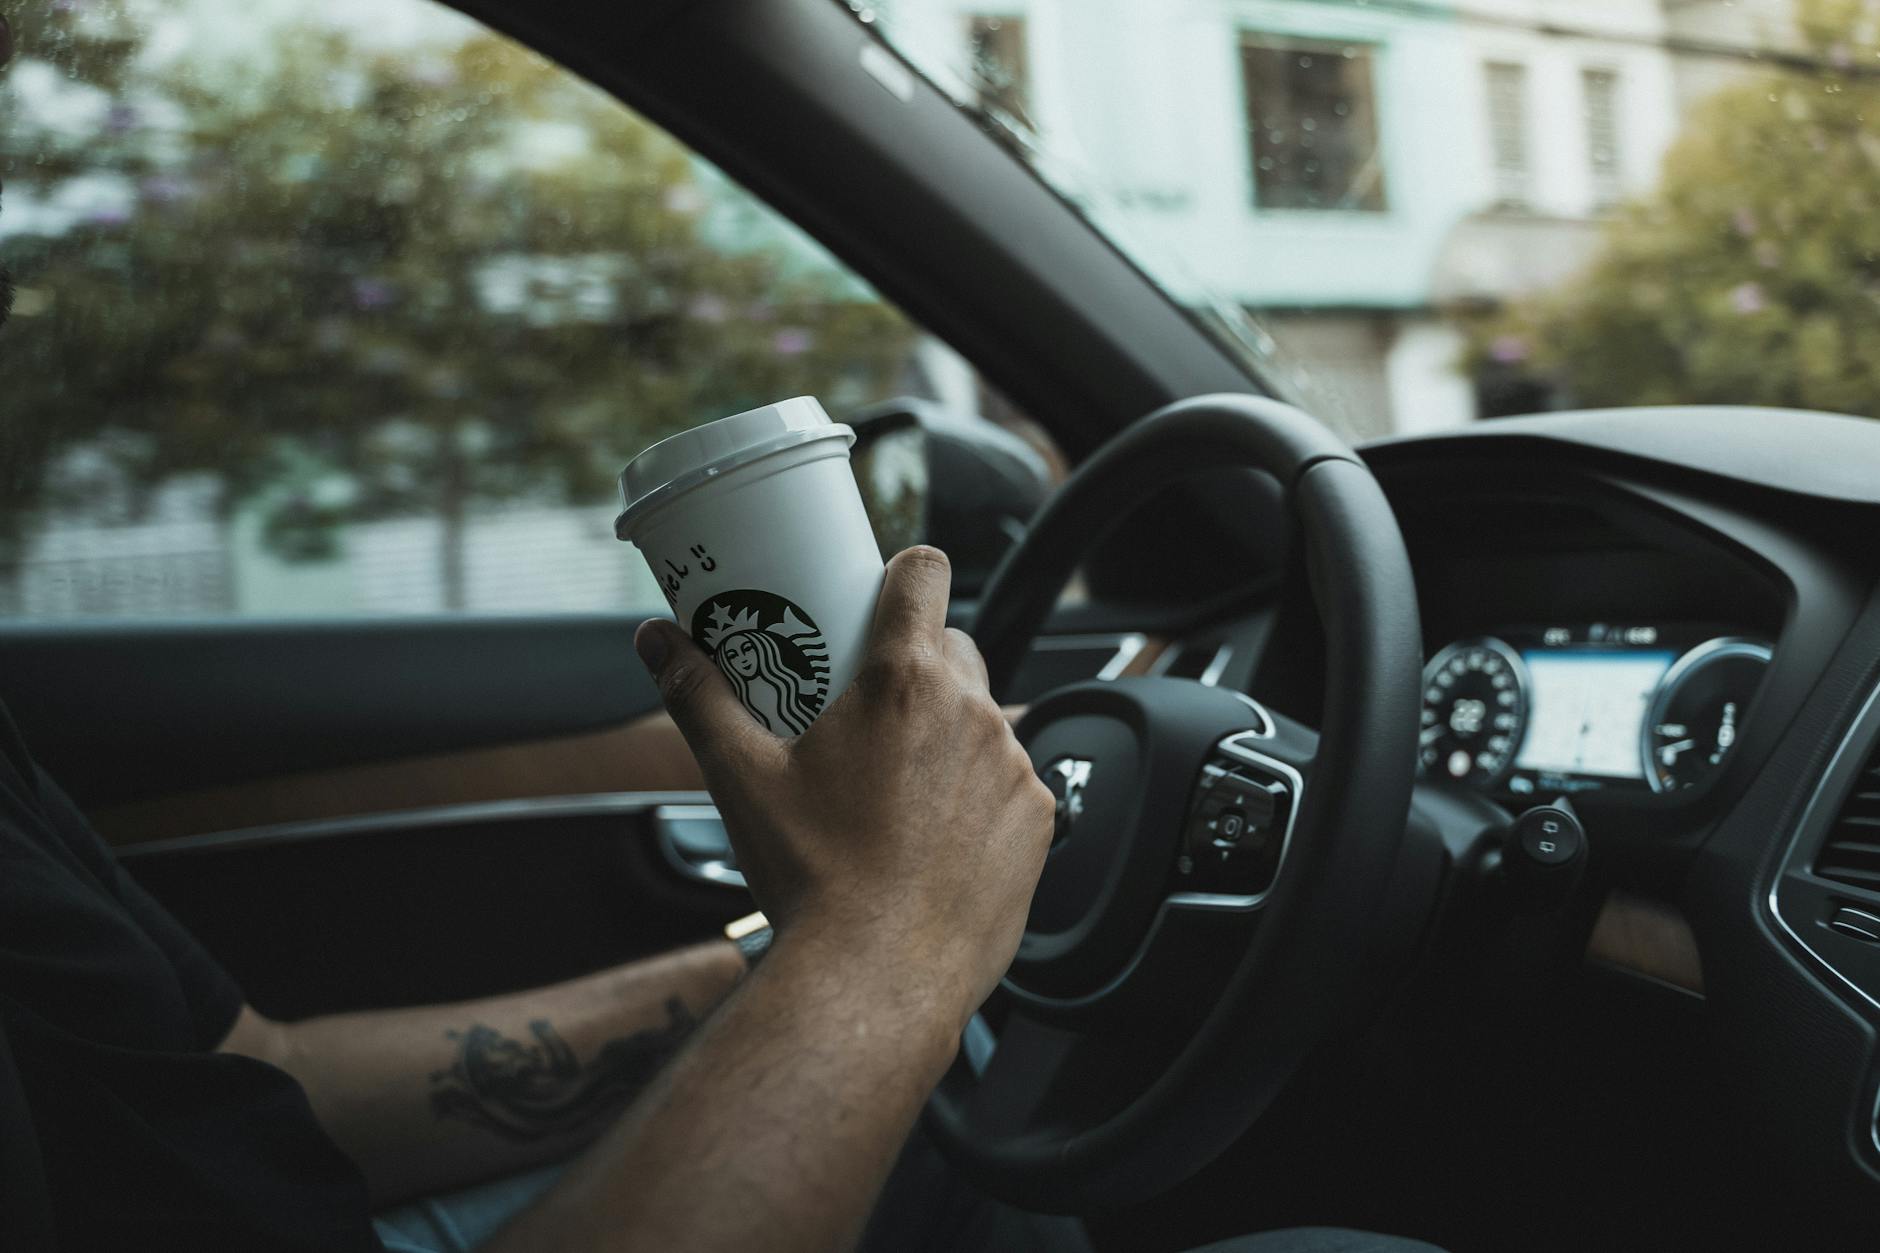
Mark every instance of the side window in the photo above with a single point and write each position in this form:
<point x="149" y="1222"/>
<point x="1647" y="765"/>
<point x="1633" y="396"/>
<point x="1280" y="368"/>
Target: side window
<point x="359" y="309"/>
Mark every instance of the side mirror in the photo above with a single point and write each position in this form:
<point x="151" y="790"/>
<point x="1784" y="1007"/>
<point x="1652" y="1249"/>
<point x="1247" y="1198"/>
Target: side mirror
<point x="932" y="475"/>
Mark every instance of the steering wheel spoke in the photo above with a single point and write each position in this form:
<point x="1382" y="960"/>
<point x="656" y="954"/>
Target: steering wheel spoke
<point x="1287" y="739"/>
<point x="1025" y="1067"/>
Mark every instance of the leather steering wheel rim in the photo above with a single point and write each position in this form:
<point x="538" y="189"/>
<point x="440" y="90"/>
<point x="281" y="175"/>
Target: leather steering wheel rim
<point x="1309" y="962"/>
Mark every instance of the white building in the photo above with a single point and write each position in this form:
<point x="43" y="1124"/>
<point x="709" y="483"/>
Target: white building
<point x="1716" y="38"/>
<point x="1348" y="169"/>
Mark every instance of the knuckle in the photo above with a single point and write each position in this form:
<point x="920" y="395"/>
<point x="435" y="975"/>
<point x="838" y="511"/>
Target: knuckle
<point x="901" y="677"/>
<point x="989" y="720"/>
<point x="961" y="649"/>
<point x="917" y="656"/>
<point x="895" y="652"/>
<point x="877" y="663"/>
<point x="681" y="684"/>
<point x="1043" y="802"/>
<point x="875" y="682"/>
<point x="881" y="674"/>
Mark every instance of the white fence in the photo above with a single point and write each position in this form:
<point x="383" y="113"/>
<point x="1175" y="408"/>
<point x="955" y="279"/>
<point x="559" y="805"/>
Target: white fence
<point x="160" y="570"/>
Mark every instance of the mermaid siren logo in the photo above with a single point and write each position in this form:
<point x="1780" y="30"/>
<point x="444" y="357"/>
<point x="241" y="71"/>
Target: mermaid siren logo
<point x="772" y="653"/>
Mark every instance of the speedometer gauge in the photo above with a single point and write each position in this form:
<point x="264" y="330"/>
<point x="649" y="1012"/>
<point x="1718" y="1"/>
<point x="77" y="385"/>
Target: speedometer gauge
<point x="1475" y="705"/>
<point x="1697" y="712"/>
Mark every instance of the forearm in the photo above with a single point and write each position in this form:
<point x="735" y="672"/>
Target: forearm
<point x="436" y="1097"/>
<point x="775" y="1127"/>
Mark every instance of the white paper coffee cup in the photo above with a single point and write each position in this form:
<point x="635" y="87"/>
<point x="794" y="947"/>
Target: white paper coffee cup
<point x="755" y="530"/>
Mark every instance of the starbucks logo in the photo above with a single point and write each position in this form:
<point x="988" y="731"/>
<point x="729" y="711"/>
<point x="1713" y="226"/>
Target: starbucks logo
<point x="772" y="653"/>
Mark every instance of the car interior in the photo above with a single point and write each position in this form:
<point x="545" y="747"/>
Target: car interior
<point x="1480" y="827"/>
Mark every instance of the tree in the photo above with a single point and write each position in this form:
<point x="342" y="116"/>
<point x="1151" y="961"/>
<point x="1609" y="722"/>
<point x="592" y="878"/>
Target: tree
<point x="1752" y="274"/>
<point x="435" y="277"/>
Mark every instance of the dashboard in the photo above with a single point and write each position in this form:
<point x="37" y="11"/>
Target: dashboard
<point x="1564" y="708"/>
<point x="1674" y="618"/>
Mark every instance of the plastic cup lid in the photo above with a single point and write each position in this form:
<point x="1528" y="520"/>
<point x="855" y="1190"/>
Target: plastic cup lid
<point x="683" y="461"/>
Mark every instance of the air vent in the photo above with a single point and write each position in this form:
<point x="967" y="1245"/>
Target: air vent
<point x="1852" y="852"/>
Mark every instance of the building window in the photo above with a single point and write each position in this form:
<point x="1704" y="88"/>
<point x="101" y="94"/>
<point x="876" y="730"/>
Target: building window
<point x="1001" y="70"/>
<point x="1601" y="89"/>
<point x="1312" y="125"/>
<point x="1508" y="132"/>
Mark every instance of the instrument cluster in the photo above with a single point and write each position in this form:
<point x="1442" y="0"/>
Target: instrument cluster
<point x="1559" y="709"/>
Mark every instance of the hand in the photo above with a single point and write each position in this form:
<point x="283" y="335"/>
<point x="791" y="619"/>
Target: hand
<point x="906" y="827"/>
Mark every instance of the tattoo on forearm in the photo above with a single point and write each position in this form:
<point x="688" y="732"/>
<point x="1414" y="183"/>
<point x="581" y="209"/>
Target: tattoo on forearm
<point x="526" y="1092"/>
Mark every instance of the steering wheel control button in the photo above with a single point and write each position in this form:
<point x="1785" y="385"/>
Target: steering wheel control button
<point x="1264" y="800"/>
<point x="1236" y="829"/>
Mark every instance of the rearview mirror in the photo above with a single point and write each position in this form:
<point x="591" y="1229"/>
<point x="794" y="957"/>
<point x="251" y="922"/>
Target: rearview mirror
<point x="932" y="475"/>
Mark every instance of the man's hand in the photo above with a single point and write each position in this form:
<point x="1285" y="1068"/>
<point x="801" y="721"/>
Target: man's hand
<point x="906" y="824"/>
<point x="895" y="846"/>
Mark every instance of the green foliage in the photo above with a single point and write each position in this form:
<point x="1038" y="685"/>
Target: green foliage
<point x="1752" y="274"/>
<point x="432" y="277"/>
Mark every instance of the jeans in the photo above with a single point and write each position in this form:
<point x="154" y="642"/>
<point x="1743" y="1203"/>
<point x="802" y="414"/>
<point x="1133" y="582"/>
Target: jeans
<point x="460" y="1221"/>
<point x="925" y="1208"/>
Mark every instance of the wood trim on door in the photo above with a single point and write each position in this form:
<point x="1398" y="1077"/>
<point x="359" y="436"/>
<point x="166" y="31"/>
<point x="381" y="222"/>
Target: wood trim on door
<point x="644" y="755"/>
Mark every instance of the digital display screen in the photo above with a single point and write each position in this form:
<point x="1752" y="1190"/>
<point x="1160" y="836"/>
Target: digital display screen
<point x="1585" y="708"/>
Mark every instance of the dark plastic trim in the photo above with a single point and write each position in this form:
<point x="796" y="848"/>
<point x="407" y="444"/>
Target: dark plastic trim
<point x="120" y="711"/>
<point x="1821" y="455"/>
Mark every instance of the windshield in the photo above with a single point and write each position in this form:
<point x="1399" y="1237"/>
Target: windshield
<point x="1416" y="214"/>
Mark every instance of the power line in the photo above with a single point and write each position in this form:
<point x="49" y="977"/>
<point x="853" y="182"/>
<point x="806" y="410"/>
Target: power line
<point x="1798" y="60"/>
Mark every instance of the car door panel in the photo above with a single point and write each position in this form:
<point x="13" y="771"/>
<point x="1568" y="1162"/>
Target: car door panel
<point x="127" y="713"/>
<point x="434" y="905"/>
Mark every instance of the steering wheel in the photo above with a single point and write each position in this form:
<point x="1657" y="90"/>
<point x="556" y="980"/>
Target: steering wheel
<point x="1217" y="898"/>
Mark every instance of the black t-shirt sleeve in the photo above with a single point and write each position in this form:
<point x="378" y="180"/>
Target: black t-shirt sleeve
<point x="26" y="1220"/>
<point x="173" y="1152"/>
<point x="214" y="998"/>
<point x="120" y="1128"/>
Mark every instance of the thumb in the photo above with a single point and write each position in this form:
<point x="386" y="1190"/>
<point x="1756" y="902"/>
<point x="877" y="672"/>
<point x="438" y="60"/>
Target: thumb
<point x="714" y="722"/>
